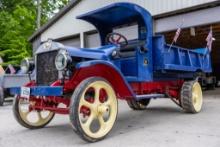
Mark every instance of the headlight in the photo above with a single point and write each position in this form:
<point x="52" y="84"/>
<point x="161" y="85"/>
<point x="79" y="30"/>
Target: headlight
<point x="27" y="65"/>
<point x="62" y="59"/>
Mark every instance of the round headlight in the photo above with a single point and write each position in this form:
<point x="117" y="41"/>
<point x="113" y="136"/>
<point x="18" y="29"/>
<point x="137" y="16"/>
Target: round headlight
<point x="27" y="65"/>
<point x="61" y="60"/>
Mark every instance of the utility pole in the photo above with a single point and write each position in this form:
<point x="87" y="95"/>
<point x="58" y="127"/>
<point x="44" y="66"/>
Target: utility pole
<point x="38" y="14"/>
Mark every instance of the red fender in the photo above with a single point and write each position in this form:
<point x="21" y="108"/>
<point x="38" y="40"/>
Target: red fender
<point x="104" y="70"/>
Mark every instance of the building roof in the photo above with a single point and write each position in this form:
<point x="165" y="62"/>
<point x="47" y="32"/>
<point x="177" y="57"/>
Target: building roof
<point x="73" y="3"/>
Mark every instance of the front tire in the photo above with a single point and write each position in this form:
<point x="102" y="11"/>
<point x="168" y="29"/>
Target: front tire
<point x="191" y="97"/>
<point x="94" y="109"/>
<point x="31" y="119"/>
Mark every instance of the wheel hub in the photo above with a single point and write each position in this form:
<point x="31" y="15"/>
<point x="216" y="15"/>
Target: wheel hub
<point x="102" y="109"/>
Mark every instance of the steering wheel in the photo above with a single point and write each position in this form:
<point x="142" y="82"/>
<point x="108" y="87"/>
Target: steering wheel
<point x="117" y="39"/>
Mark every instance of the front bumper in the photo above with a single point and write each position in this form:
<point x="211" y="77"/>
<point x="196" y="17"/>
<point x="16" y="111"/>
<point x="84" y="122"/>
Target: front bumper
<point x="40" y="91"/>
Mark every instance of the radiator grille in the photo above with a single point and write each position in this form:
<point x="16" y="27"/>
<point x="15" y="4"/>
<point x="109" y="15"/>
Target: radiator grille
<point x="46" y="69"/>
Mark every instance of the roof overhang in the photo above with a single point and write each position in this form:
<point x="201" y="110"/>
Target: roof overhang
<point x="73" y="3"/>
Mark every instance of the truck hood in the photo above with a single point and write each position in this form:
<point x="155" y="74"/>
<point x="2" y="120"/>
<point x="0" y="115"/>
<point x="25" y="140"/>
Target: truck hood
<point x="101" y="53"/>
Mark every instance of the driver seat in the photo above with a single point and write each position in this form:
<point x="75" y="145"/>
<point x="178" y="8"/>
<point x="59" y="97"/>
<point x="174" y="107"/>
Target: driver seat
<point x="130" y="49"/>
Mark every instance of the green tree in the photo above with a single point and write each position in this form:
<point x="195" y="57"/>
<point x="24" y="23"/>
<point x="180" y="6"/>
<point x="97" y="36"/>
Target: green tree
<point x="18" y="22"/>
<point x="15" y="29"/>
<point x="50" y="7"/>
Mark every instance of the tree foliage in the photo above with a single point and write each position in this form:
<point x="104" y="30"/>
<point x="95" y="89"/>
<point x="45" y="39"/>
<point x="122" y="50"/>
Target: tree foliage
<point x="18" y="22"/>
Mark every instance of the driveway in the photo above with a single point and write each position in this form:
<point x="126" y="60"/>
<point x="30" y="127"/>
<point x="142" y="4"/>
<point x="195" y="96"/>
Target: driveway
<point x="163" y="124"/>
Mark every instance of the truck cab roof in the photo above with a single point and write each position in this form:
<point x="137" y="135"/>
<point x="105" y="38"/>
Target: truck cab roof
<point x="118" y="14"/>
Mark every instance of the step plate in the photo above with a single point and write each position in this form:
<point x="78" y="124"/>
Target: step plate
<point x="149" y="96"/>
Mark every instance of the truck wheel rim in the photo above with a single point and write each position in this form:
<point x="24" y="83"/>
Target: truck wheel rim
<point x="33" y="117"/>
<point x="197" y="97"/>
<point x="101" y="108"/>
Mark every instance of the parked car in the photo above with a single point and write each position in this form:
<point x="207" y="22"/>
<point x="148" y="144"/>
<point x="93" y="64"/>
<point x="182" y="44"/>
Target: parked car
<point x="13" y="76"/>
<point x="88" y="82"/>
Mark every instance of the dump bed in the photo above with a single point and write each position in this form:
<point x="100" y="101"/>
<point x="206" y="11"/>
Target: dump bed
<point x="173" y="58"/>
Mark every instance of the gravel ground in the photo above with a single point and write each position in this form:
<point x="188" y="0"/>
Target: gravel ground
<point x="162" y="124"/>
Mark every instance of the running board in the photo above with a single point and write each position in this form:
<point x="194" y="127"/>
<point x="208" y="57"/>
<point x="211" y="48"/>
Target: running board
<point x="149" y="96"/>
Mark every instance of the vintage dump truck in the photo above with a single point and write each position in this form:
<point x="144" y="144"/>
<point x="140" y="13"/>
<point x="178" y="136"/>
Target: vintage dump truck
<point x="89" y="82"/>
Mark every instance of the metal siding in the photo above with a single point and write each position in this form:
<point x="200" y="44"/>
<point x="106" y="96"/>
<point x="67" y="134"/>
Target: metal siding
<point x="157" y="6"/>
<point x="35" y="44"/>
<point x="71" y="42"/>
<point x="131" y="32"/>
<point x="92" y="40"/>
<point x="190" y="19"/>
<point x="68" y="25"/>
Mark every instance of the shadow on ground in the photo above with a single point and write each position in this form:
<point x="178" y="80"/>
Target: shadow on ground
<point x="127" y="122"/>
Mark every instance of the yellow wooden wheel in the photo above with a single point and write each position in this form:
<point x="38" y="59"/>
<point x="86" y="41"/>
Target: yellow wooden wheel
<point x="94" y="109"/>
<point x="191" y="97"/>
<point x="197" y="96"/>
<point x="28" y="118"/>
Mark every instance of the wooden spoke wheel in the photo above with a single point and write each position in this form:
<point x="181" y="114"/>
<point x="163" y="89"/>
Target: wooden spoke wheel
<point x="93" y="109"/>
<point x="32" y="119"/>
<point x="191" y="97"/>
<point x="138" y="105"/>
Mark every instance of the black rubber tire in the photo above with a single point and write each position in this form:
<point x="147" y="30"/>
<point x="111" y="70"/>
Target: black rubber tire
<point x="2" y="98"/>
<point x="21" y="121"/>
<point x="138" y="105"/>
<point x="186" y="97"/>
<point x="217" y="85"/>
<point x="74" y="104"/>
<point x="210" y="86"/>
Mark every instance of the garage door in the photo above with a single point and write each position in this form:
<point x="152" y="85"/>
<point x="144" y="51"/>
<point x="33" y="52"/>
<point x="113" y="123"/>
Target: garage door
<point x="130" y="32"/>
<point x="92" y="39"/>
<point x="71" y="41"/>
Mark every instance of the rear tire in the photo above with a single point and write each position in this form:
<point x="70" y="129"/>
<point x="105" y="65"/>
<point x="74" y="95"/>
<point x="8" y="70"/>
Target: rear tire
<point x="191" y="97"/>
<point x="211" y="86"/>
<point x="217" y="84"/>
<point x="2" y="99"/>
<point x="138" y="105"/>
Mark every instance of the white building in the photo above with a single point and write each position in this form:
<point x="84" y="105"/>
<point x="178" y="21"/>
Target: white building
<point x="198" y="16"/>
